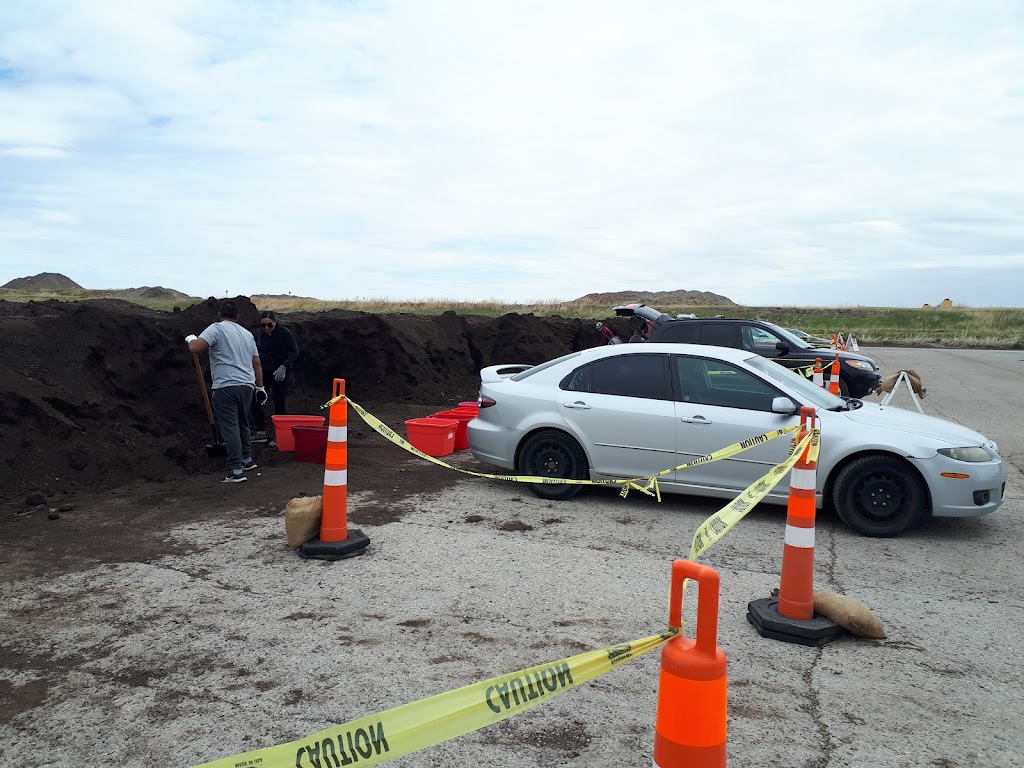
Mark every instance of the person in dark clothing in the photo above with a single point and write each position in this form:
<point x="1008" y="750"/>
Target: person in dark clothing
<point x="278" y="351"/>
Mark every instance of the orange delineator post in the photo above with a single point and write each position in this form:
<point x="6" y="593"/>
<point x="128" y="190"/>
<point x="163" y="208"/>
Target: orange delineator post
<point x="690" y="726"/>
<point x="819" y="375"/>
<point x="833" y="379"/>
<point x="334" y="519"/>
<point x="796" y="590"/>
<point x="835" y="342"/>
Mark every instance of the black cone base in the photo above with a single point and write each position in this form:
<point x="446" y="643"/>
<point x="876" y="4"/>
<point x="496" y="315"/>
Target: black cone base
<point x="764" y="615"/>
<point x="355" y="544"/>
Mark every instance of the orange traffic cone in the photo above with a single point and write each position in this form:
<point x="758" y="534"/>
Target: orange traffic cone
<point x="796" y="592"/>
<point x="336" y="541"/>
<point x="819" y="375"/>
<point x="835" y="342"/>
<point x="689" y="729"/>
<point x="791" y="617"/>
<point x="833" y="379"/>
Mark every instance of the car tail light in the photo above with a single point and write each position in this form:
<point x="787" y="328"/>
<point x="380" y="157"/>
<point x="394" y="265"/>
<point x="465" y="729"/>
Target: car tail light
<point x="485" y="402"/>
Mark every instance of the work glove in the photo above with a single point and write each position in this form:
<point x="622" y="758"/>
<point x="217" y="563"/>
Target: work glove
<point x="190" y="338"/>
<point x="280" y="373"/>
<point x="261" y="395"/>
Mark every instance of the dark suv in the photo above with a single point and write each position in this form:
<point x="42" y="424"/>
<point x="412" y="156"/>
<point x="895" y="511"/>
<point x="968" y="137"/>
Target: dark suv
<point x="858" y="374"/>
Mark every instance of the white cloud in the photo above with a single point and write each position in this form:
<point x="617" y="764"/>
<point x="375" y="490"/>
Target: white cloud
<point x="517" y="150"/>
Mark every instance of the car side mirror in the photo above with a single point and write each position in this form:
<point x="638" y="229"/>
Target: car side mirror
<point x="782" y="346"/>
<point x="783" y="405"/>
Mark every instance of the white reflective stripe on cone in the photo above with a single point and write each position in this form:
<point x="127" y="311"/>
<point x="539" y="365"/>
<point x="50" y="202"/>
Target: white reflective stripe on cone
<point x="802" y="479"/>
<point x="800" y="537"/>
<point x="337" y="434"/>
<point x="335" y="477"/>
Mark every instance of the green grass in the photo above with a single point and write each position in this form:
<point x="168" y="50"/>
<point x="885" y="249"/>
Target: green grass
<point x="993" y="328"/>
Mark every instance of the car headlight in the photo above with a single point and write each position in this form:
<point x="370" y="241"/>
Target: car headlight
<point x="862" y="365"/>
<point x="974" y="453"/>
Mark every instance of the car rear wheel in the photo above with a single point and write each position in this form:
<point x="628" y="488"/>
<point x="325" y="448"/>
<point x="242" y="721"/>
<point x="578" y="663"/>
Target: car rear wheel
<point x="880" y="496"/>
<point x="554" y="454"/>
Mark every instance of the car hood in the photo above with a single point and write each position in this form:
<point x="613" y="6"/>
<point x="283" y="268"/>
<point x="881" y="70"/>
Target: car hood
<point x="889" y="417"/>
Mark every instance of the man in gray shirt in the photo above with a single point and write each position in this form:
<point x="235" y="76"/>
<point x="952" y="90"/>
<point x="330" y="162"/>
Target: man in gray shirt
<point x="236" y="370"/>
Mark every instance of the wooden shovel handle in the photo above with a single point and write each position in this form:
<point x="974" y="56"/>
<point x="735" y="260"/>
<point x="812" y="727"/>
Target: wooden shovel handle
<point x="202" y="387"/>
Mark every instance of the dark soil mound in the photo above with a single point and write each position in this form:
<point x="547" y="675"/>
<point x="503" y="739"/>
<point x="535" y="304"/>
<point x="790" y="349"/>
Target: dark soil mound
<point x="44" y="281"/>
<point x="100" y="392"/>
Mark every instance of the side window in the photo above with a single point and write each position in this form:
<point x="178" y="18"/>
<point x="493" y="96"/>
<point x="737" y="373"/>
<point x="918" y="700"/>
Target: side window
<point x="711" y="382"/>
<point x="630" y="376"/>
<point x="721" y="335"/>
<point x="682" y="332"/>
<point x="760" y="341"/>
<point x="580" y="380"/>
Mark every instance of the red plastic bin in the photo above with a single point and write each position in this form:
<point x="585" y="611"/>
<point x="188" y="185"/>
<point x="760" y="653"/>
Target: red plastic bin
<point x="310" y="443"/>
<point x="435" y="437"/>
<point x="283" y="428"/>
<point x="463" y="416"/>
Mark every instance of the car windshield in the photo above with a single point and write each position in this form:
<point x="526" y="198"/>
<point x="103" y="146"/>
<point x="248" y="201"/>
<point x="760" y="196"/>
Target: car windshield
<point x="797" y="384"/>
<point x="786" y="335"/>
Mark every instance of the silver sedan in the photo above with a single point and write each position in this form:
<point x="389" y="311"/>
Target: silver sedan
<point x="628" y="411"/>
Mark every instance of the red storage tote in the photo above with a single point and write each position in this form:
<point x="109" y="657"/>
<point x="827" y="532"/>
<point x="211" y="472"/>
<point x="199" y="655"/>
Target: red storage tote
<point x="283" y="429"/>
<point x="435" y="437"/>
<point x="470" y="404"/>
<point x="463" y="416"/>
<point x="310" y="443"/>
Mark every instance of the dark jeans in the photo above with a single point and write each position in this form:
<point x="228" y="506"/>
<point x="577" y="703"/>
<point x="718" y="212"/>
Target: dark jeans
<point x="231" y="409"/>
<point x="277" y="390"/>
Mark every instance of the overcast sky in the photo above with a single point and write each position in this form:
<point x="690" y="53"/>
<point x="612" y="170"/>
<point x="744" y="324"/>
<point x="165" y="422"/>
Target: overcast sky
<point x="795" y="153"/>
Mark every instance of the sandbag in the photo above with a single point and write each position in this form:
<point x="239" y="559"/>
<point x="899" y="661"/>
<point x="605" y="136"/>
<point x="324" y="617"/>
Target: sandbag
<point x="302" y="520"/>
<point x="849" y="613"/>
<point x="889" y="382"/>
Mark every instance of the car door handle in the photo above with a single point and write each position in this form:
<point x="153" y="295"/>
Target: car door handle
<point x="696" y="420"/>
<point x="577" y="406"/>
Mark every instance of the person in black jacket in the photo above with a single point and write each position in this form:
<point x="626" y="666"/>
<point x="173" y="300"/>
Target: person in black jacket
<point x="278" y="350"/>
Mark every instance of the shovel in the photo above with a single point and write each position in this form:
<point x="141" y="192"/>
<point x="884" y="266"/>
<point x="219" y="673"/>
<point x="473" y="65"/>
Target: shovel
<point x="217" y="448"/>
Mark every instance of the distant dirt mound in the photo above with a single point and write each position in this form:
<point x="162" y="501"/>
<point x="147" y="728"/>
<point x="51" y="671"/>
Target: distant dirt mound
<point x="101" y="392"/>
<point x="659" y="299"/>
<point x="44" y="281"/>
<point x="157" y="292"/>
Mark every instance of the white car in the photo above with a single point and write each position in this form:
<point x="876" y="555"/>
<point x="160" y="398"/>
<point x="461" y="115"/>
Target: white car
<point x="632" y="410"/>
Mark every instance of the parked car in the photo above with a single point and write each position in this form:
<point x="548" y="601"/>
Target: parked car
<point x="858" y="374"/>
<point x="812" y="341"/>
<point x="632" y="410"/>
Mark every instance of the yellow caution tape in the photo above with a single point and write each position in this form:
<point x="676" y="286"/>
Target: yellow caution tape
<point x="719" y="524"/>
<point x="647" y="484"/>
<point x="376" y="739"/>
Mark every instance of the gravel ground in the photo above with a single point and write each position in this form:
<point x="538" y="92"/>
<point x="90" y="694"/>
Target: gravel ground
<point x="208" y="637"/>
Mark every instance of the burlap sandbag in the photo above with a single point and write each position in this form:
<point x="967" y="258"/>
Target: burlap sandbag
<point x="915" y="383"/>
<point x="302" y="520"/>
<point x="849" y="613"/>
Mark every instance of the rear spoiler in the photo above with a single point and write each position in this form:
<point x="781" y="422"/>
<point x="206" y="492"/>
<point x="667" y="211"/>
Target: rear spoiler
<point x="501" y="372"/>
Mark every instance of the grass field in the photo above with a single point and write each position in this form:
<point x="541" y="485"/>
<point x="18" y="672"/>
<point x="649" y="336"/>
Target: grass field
<point x="992" y="328"/>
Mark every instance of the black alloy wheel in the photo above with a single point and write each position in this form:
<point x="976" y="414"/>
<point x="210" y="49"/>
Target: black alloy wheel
<point x="554" y="454"/>
<point x="879" y="495"/>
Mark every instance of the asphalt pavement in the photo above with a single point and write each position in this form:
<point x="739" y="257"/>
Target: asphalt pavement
<point x="240" y="644"/>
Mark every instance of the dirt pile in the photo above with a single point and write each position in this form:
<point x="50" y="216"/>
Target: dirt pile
<point x="658" y="299"/>
<point x="44" y="281"/>
<point x="97" y="393"/>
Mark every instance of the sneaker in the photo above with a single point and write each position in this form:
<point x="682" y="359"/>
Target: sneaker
<point x="249" y="465"/>
<point x="231" y="477"/>
<point x="258" y="437"/>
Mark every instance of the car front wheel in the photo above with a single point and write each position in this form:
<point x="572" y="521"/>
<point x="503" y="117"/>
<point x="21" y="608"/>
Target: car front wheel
<point x="553" y="454"/>
<point x="880" y="496"/>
